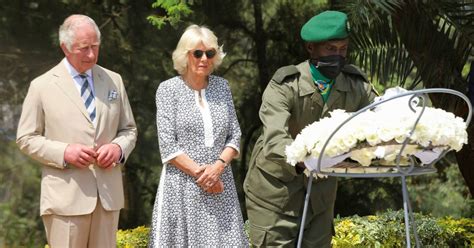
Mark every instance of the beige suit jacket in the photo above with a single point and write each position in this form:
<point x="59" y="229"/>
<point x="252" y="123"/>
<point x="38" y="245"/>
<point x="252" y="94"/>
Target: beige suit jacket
<point x="54" y="116"/>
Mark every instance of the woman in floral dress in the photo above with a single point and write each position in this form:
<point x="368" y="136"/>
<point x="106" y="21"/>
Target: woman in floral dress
<point x="198" y="132"/>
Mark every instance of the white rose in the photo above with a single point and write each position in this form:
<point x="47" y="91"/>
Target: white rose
<point x="363" y="156"/>
<point x="295" y="152"/>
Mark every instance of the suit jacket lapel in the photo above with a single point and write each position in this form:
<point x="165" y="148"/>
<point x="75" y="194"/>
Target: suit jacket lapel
<point x="66" y="83"/>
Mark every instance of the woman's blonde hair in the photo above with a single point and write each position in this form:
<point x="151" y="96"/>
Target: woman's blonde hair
<point x="192" y="36"/>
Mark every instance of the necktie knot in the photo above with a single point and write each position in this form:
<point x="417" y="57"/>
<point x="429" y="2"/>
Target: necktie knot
<point x="84" y="78"/>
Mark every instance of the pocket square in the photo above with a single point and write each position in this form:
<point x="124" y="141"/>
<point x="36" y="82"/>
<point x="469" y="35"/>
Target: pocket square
<point x="113" y="94"/>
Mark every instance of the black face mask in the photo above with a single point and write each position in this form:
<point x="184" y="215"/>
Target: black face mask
<point x="329" y="66"/>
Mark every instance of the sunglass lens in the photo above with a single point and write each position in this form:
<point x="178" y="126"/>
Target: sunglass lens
<point x="210" y="53"/>
<point x="198" y="54"/>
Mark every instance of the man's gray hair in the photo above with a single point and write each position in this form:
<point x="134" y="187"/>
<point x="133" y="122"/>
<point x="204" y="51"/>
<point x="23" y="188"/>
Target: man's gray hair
<point x="68" y="28"/>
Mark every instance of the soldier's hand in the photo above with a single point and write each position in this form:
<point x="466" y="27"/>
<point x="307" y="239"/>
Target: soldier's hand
<point x="79" y="155"/>
<point x="300" y="167"/>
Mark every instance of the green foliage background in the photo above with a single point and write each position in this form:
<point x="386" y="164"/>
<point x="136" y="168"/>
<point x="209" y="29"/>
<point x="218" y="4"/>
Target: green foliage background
<point x="384" y="230"/>
<point x="141" y="53"/>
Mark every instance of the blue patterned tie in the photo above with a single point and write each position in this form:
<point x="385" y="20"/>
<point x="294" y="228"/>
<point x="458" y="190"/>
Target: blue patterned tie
<point x="88" y="97"/>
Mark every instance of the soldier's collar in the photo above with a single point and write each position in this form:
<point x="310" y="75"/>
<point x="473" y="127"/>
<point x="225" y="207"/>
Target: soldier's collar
<point x="307" y="87"/>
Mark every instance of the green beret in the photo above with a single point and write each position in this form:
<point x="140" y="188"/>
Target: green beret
<point x="328" y="25"/>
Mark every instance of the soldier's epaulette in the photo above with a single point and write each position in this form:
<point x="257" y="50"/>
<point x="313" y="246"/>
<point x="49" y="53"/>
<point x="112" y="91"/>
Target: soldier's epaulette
<point x="283" y="73"/>
<point x="351" y="69"/>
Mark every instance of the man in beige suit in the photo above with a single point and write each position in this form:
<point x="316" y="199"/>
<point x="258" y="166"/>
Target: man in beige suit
<point x="77" y="121"/>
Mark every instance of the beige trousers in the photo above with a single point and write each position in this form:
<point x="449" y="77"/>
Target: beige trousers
<point x="95" y="230"/>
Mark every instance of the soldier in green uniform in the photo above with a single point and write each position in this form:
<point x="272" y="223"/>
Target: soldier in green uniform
<point x="297" y="96"/>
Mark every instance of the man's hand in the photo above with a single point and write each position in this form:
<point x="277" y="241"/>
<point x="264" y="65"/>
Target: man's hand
<point x="108" y="155"/>
<point x="79" y="155"/>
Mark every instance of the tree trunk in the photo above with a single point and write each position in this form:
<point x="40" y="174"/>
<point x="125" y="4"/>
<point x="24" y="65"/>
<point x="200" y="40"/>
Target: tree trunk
<point x="260" y="45"/>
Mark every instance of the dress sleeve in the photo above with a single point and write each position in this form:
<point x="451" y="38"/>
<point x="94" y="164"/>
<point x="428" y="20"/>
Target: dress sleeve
<point x="166" y="122"/>
<point x="234" y="133"/>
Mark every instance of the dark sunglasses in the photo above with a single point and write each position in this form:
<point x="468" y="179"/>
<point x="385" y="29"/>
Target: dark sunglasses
<point x="209" y="53"/>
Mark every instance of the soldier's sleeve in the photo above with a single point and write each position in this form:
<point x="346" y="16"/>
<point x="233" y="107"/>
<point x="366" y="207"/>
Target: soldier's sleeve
<point x="275" y="113"/>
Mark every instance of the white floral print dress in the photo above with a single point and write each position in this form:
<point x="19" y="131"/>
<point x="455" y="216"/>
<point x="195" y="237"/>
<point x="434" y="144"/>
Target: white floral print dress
<point x="184" y="215"/>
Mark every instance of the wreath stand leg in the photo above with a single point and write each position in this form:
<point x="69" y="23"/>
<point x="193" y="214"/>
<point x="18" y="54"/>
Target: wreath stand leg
<point x="408" y="213"/>
<point x="305" y="210"/>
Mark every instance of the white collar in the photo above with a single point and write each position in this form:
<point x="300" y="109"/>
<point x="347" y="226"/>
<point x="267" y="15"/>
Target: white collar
<point x="73" y="72"/>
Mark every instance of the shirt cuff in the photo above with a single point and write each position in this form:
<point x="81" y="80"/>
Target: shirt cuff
<point x="122" y="156"/>
<point x="122" y="159"/>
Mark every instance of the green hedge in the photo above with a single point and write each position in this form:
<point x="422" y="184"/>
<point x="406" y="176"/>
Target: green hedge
<point x="384" y="230"/>
<point x="388" y="230"/>
<point x="132" y="238"/>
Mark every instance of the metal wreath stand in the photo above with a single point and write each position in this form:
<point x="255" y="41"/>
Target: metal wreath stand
<point x="410" y="170"/>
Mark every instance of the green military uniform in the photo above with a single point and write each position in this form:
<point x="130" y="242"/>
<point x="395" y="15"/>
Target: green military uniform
<point x="274" y="189"/>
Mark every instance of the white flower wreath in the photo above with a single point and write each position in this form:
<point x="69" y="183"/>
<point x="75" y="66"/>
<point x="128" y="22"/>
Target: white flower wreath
<point x="378" y="133"/>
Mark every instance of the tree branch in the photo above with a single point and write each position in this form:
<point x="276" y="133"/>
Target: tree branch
<point x="235" y="62"/>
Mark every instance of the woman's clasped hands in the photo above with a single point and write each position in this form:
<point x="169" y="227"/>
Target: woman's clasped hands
<point x="208" y="177"/>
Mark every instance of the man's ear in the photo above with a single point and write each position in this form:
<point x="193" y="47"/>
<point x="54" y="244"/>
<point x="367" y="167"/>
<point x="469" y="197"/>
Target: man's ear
<point x="64" y="48"/>
<point x="309" y="47"/>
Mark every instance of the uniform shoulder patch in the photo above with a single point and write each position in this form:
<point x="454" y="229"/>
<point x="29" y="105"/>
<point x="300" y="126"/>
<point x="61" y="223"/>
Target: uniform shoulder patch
<point x="352" y="69"/>
<point x="284" y="72"/>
